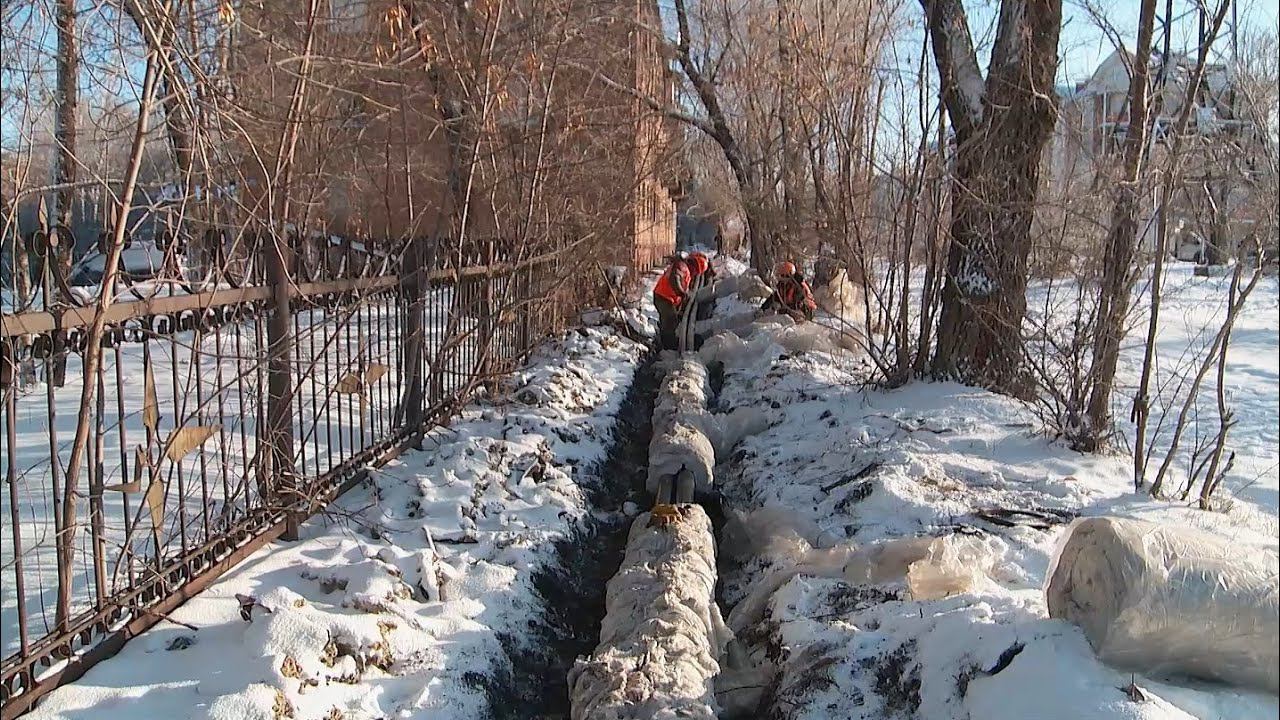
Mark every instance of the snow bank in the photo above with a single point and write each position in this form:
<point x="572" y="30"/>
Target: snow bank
<point x="851" y="487"/>
<point x="412" y="595"/>
<point x="1163" y="599"/>
<point x="662" y="636"/>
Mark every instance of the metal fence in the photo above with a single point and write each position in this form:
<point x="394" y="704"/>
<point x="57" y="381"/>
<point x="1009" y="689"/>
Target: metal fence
<point x="228" y="408"/>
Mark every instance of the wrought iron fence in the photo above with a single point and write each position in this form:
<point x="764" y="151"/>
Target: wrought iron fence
<point x="230" y="404"/>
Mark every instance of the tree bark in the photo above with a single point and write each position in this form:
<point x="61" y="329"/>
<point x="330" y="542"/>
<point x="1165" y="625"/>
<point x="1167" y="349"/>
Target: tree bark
<point x="61" y="243"/>
<point x="68" y="101"/>
<point x="1118" y="273"/>
<point x="178" y="117"/>
<point x="1001" y="127"/>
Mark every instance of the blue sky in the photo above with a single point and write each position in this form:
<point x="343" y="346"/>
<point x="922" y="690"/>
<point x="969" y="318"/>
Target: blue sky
<point x="1082" y="45"/>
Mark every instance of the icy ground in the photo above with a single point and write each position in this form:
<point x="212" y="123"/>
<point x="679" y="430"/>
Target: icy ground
<point x="847" y="465"/>
<point x="410" y="596"/>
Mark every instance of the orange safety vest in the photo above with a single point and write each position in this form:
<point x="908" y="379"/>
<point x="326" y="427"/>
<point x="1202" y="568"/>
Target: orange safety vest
<point x="674" y="283"/>
<point x="795" y="295"/>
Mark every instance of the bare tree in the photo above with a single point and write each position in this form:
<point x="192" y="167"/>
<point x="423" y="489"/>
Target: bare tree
<point x="1001" y="125"/>
<point x="1122" y="243"/>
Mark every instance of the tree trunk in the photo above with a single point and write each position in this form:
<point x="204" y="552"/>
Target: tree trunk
<point x="67" y="101"/>
<point x="1122" y="243"/>
<point x="1001" y="127"/>
<point x="178" y="120"/>
<point x="61" y="244"/>
<point x="755" y="219"/>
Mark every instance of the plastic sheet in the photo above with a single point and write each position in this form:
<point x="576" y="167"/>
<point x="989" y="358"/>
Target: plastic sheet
<point x="662" y="637"/>
<point x="682" y="447"/>
<point x="841" y="297"/>
<point x="952" y="564"/>
<point x="885" y="561"/>
<point x="1170" y="600"/>
<point x="688" y="437"/>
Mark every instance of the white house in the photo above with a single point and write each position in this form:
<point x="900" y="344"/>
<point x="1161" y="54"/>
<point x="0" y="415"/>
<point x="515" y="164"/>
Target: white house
<point x="1094" y="121"/>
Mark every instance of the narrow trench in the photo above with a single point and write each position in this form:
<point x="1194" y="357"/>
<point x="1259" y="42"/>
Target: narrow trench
<point x="572" y="589"/>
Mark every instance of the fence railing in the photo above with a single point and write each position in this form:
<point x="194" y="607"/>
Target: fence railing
<point x="227" y="408"/>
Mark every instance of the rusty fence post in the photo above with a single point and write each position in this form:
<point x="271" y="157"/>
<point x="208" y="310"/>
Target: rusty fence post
<point x="279" y="430"/>
<point x="489" y="310"/>
<point x="413" y="280"/>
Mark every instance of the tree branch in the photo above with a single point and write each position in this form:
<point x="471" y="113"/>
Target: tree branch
<point x="963" y="87"/>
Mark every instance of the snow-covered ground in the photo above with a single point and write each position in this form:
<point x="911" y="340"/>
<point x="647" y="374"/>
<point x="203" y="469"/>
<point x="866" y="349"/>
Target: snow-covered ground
<point x="407" y="597"/>
<point x="212" y="380"/>
<point x="848" y="467"/>
<point x="1192" y="309"/>
<point x="410" y="596"/>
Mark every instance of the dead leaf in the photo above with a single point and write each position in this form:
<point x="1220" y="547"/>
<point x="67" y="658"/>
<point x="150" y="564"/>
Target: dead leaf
<point x="140" y="461"/>
<point x="155" y="501"/>
<point x="353" y="384"/>
<point x="183" y="440"/>
<point x="150" y="407"/>
<point x="349" y="384"/>
<point x="374" y="373"/>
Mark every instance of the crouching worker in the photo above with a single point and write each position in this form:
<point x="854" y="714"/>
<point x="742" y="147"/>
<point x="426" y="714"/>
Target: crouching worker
<point x="791" y="294"/>
<point x="668" y="297"/>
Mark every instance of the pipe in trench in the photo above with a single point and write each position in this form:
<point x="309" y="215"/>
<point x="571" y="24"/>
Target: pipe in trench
<point x="663" y="640"/>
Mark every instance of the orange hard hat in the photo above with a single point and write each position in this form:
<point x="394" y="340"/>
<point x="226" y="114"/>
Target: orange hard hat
<point x="700" y="262"/>
<point x="785" y="269"/>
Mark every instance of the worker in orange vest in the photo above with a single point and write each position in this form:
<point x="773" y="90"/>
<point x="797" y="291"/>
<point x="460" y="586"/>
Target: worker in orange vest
<point x="672" y="293"/>
<point x="791" y="294"/>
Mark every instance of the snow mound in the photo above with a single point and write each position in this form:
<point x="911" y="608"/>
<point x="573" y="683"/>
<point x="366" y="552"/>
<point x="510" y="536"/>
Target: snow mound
<point x="412" y="595"/>
<point x="850" y="488"/>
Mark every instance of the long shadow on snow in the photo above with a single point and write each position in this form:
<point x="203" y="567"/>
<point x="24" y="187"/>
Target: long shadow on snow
<point x="572" y="589"/>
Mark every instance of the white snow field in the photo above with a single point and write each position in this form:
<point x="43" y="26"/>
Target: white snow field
<point x="406" y="597"/>
<point x="818" y="500"/>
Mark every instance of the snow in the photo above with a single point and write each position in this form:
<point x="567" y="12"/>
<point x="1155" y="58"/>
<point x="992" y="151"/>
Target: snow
<point x="847" y="469"/>
<point x="404" y="598"/>
<point x="333" y="428"/>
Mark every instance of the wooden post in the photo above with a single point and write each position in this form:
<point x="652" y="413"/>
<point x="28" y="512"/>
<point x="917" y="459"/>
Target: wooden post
<point x="279" y="430"/>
